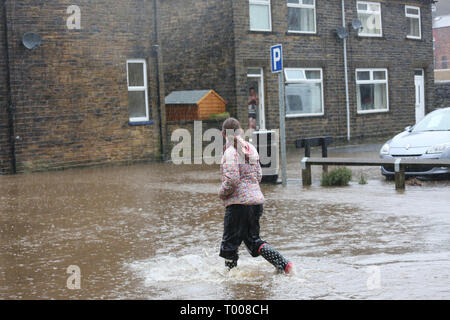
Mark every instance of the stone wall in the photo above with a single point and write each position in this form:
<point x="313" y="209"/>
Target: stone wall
<point x="442" y="47"/>
<point x="442" y="96"/>
<point x="5" y="159"/>
<point x="198" y="48"/>
<point x="401" y="56"/>
<point x="195" y="132"/>
<point x="70" y="94"/>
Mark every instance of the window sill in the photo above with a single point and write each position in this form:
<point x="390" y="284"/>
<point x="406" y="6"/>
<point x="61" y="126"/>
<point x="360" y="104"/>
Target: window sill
<point x="413" y="38"/>
<point x="290" y="116"/>
<point x="260" y="32"/>
<point x="372" y="111"/>
<point x="365" y="36"/>
<point x="298" y="33"/>
<point x="140" y="123"/>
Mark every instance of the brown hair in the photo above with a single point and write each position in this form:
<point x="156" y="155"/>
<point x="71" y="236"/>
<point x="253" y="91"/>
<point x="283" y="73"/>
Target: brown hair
<point x="231" y="124"/>
<point x="231" y="128"/>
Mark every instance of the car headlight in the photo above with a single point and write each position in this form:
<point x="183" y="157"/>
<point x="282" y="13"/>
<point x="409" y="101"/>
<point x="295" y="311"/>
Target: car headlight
<point x="385" y="149"/>
<point x="439" y="148"/>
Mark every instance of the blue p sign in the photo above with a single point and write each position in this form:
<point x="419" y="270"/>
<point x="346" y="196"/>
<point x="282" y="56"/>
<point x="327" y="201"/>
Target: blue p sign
<point x="276" y="56"/>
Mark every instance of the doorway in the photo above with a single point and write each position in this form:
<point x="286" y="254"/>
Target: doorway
<point x="420" y="94"/>
<point x="255" y="92"/>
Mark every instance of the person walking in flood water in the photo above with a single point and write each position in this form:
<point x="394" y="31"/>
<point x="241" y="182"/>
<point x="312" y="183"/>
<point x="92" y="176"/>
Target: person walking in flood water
<point x="243" y="201"/>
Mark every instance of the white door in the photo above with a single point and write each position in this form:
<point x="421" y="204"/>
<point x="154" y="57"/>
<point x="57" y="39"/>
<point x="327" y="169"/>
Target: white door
<point x="255" y="78"/>
<point x="420" y="94"/>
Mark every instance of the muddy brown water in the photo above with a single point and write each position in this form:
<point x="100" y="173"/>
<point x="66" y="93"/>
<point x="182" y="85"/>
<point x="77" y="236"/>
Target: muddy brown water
<point x="153" y="232"/>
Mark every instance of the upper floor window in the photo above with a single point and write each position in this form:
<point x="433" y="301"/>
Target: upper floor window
<point x="137" y="90"/>
<point x="369" y="13"/>
<point x="304" y="92"/>
<point x="260" y="16"/>
<point x="414" y="24"/>
<point x="302" y="16"/>
<point x="444" y="62"/>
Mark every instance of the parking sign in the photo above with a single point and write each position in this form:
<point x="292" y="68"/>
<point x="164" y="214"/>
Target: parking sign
<point x="276" y="57"/>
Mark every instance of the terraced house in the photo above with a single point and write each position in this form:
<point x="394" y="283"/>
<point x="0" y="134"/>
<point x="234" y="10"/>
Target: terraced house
<point x="83" y="82"/>
<point x="87" y="94"/>
<point x="226" y="45"/>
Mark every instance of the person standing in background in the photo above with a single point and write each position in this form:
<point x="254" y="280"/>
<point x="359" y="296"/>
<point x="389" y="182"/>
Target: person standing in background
<point x="253" y="104"/>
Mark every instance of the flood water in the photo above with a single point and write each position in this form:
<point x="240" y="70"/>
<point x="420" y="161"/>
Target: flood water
<point x="153" y="232"/>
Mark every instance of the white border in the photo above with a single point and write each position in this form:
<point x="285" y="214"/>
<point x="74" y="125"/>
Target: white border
<point x="261" y="92"/>
<point x="369" y="35"/>
<point x="140" y="88"/>
<point x="408" y="15"/>
<point x="304" y="115"/>
<point x="371" y="81"/>
<point x="307" y="6"/>
<point x="261" y="3"/>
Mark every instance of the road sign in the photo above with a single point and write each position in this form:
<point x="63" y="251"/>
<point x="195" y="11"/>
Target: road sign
<point x="276" y="57"/>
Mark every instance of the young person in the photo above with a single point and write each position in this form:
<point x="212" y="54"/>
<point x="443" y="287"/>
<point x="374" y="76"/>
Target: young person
<point x="253" y="103"/>
<point x="243" y="200"/>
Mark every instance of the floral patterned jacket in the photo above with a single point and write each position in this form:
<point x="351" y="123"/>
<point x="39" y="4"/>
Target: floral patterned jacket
<point x="241" y="175"/>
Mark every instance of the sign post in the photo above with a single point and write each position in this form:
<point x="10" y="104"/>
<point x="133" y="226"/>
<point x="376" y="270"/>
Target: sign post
<point x="276" y="55"/>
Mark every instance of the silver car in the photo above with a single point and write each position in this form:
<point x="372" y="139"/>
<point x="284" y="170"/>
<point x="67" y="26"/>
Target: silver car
<point x="428" y="139"/>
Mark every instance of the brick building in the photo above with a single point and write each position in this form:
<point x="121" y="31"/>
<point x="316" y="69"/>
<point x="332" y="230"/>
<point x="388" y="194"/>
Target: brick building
<point x="93" y="91"/>
<point x="225" y="45"/>
<point x="67" y="103"/>
<point x="441" y="40"/>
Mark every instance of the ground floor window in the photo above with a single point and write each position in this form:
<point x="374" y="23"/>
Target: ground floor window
<point x="304" y="92"/>
<point x="372" y="90"/>
<point x="137" y="90"/>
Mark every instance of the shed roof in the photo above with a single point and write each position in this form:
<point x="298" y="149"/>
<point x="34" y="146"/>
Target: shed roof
<point x="441" y="22"/>
<point x="186" y="97"/>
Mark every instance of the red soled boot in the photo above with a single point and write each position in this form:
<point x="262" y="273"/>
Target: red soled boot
<point x="276" y="259"/>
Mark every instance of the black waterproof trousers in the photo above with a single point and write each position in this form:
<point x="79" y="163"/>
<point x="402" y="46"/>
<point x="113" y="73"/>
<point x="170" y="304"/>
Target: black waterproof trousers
<point x="241" y="223"/>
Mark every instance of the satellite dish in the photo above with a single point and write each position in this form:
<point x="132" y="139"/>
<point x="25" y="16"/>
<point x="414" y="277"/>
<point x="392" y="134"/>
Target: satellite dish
<point x="31" y="40"/>
<point x="342" y="32"/>
<point x="356" y="24"/>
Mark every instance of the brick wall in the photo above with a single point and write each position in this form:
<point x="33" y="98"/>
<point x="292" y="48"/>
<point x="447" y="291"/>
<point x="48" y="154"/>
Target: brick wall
<point x="70" y="93"/>
<point x="205" y="125"/>
<point x="442" y="99"/>
<point x="197" y="40"/>
<point x="442" y="47"/>
<point x="201" y="23"/>
<point x="5" y="161"/>
<point x="393" y="51"/>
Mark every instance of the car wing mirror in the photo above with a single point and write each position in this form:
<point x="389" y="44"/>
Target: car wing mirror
<point x="408" y="128"/>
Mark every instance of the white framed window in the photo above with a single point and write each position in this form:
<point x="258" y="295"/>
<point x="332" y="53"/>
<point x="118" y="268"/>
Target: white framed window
<point x="414" y="22"/>
<point x="137" y="90"/>
<point x="304" y="92"/>
<point x="372" y="90"/>
<point x="260" y="15"/>
<point x="369" y="13"/>
<point x="301" y="16"/>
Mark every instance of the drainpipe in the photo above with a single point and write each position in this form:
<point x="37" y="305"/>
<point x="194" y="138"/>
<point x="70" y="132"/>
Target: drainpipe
<point x="158" y="81"/>
<point x="347" y="100"/>
<point x="9" y="107"/>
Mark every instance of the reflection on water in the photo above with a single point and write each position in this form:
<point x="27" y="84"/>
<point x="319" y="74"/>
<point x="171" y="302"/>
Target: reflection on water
<point x="153" y="231"/>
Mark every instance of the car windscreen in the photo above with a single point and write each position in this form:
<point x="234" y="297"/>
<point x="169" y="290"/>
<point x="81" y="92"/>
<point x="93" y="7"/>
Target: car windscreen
<point x="436" y="121"/>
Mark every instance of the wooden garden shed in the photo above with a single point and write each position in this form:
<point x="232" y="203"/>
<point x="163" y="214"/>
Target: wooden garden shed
<point x="193" y="105"/>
